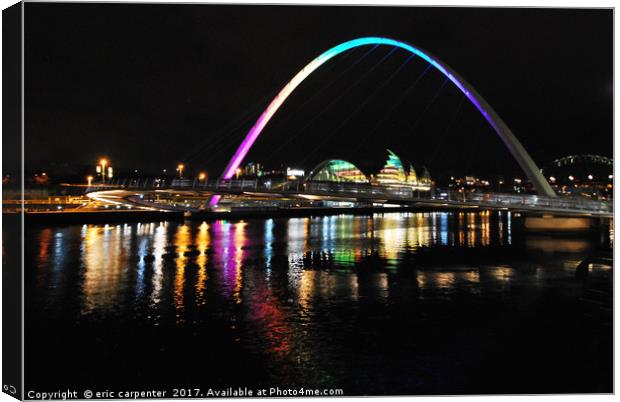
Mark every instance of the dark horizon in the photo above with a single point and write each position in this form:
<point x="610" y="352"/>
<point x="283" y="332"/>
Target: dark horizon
<point x="149" y="86"/>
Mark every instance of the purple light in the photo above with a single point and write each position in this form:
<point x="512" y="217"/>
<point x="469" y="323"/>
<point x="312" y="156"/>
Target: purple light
<point x="275" y="104"/>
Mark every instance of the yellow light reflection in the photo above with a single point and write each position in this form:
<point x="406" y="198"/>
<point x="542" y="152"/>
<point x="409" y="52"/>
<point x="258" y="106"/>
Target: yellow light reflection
<point x="202" y="242"/>
<point x="445" y="280"/>
<point x="159" y="244"/>
<point x="461" y="235"/>
<point x="471" y="229"/>
<point x="239" y="240"/>
<point x="485" y="228"/>
<point x="502" y="274"/>
<point x="182" y="240"/>
<point x="104" y="260"/>
<point x="305" y="289"/>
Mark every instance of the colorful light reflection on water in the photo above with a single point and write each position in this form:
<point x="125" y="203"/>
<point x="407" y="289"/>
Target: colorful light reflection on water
<point x="280" y="288"/>
<point x="115" y="258"/>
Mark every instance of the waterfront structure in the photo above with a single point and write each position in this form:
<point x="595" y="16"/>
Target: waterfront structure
<point x="337" y="170"/>
<point x="412" y="177"/>
<point x="252" y="169"/>
<point x="294" y="173"/>
<point x="392" y="173"/>
<point x="424" y="179"/>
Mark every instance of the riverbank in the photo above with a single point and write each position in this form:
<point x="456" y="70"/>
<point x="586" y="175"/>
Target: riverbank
<point x="136" y="215"/>
<point x="105" y="216"/>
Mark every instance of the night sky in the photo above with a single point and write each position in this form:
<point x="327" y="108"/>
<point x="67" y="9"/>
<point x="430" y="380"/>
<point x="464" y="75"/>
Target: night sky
<point x="150" y="86"/>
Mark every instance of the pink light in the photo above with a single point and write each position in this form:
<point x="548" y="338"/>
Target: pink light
<point x="502" y="130"/>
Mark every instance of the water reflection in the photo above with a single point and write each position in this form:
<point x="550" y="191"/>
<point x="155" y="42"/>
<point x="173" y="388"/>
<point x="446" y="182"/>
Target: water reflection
<point x="164" y="266"/>
<point x="299" y="298"/>
<point x="159" y="248"/>
<point x="104" y="255"/>
<point x="202" y="241"/>
<point x="181" y="242"/>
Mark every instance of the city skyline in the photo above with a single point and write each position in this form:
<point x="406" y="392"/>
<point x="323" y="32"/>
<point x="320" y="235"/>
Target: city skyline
<point x="167" y="93"/>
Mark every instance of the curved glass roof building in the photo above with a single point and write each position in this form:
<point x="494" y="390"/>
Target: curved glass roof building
<point x="337" y="170"/>
<point x="393" y="173"/>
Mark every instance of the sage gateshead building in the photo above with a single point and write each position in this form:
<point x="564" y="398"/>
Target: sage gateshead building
<point x="393" y="173"/>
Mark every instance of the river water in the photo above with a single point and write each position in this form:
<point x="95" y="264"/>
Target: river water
<point x="397" y="303"/>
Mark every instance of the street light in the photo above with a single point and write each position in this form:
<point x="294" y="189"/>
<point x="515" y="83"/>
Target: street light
<point x="180" y="169"/>
<point x="90" y="180"/>
<point x="202" y="176"/>
<point x="590" y="177"/>
<point x="103" y="162"/>
<point x="238" y="173"/>
<point x="552" y="179"/>
<point x="571" y="178"/>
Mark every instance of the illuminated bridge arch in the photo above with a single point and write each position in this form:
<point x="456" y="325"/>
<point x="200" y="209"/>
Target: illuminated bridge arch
<point x="502" y="130"/>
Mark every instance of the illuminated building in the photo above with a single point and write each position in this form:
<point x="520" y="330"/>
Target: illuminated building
<point x="252" y="169"/>
<point x="337" y="170"/>
<point x="293" y="173"/>
<point x="393" y="173"/>
<point x="412" y="177"/>
<point x="424" y="179"/>
<point x="471" y="183"/>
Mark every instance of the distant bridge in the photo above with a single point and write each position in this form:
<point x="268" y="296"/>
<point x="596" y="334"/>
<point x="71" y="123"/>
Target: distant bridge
<point x="359" y="193"/>
<point x="580" y="159"/>
<point x="595" y="159"/>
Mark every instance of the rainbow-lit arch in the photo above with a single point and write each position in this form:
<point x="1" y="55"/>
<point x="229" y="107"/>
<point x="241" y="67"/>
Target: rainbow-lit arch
<point x="509" y="139"/>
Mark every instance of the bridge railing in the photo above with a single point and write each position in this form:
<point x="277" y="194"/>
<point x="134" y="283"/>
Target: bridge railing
<point x="529" y="200"/>
<point x="361" y="191"/>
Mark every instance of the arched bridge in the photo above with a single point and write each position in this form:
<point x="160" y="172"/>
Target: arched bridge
<point x="503" y="131"/>
<point x="545" y="202"/>
<point x="581" y="159"/>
